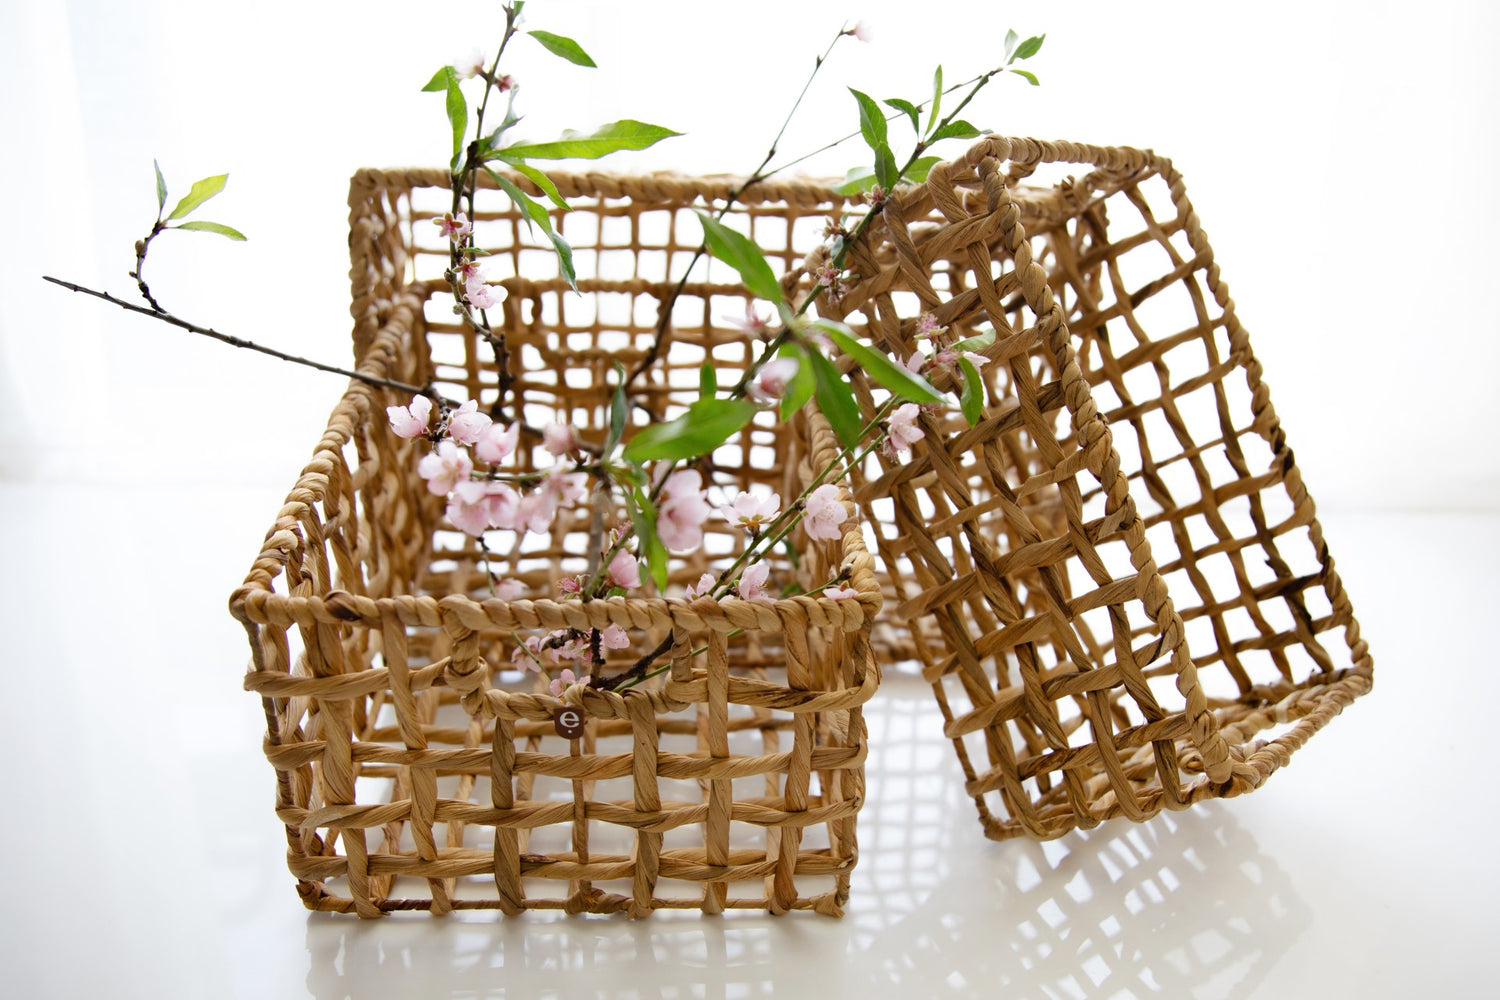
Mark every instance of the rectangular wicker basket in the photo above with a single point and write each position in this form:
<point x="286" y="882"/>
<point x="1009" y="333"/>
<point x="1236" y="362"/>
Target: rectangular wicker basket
<point x="416" y="767"/>
<point x="1136" y="605"/>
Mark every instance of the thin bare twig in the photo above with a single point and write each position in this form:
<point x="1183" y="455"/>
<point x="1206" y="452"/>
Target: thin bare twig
<point x="232" y="341"/>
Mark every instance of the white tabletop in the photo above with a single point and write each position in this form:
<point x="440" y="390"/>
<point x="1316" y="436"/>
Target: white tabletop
<point x="141" y="856"/>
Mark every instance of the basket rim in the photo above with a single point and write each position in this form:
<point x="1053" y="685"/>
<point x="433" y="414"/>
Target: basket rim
<point x="254" y="602"/>
<point x="670" y="186"/>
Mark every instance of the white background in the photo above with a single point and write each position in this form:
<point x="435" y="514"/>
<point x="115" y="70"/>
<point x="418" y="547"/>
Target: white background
<point x="1341" y="158"/>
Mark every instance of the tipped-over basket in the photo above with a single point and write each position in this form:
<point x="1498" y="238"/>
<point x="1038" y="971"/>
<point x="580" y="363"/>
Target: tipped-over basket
<point x="1136" y="606"/>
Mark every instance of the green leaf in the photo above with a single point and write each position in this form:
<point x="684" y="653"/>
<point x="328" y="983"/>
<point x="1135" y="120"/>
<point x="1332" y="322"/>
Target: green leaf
<point x="937" y="99"/>
<point x="440" y="80"/>
<point x="741" y="253"/>
<point x="802" y="385"/>
<point x="871" y="121"/>
<point x="1011" y="38"/>
<point x="912" y="112"/>
<point x="652" y="552"/>
<point x="623" y="134"/>
<point x="959" y="129"/>
<point x="538" y="178"/>
<point x="886" y="171"/>
<point x="458" y="116"/>
<point x="536" y="213"/>
<point x="971" y="401"/>
<point x="835" y="399"/>
<point x="1029" y="48"/>
<point x="161" y="190"/>
<point x="619" y="408"/>
<point x="560" y="45"/>
<point x="976" y="343"/>
<point x="879" y="366"/>
<point x="857" y="181"/>
<point x="708" y="381"/>
<point x="200" y="192"/>
<point x="211" y="227"/>
<point x="1028" y="77"/>
<point x="707" y="424"/>
<point x="917" y="172"/>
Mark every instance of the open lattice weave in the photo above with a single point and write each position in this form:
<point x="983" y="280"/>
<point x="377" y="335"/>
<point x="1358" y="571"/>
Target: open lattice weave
<point x="417" y="767"/>
<point x="1135" y="599"/>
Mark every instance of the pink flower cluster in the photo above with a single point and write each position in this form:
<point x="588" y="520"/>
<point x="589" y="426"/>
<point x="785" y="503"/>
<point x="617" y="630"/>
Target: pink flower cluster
<point x="478" y="504"/>
<point x="943" y="355"/>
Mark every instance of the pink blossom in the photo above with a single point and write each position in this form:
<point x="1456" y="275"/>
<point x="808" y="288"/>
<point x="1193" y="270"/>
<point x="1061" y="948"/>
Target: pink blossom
<point x="467" y="423"/>
<point x="840" y="593"/>
<point x="455" y="227"/>
<point x="410" y="421"/>
<point x="471" y="65"/>
<point x="681" y="511"/>
<point x="558" y="439"/>
<point x="567" y="680"/>
<point x="915" y="363"/>
<point x="470" y="269"/>
<point x="535" y="512"/>
<point x="976" y="359"/>
<point x="861" y="31"/>
<point x="509" y="590"/>
<point x="749" y="513"/>
<point x="497" y="443"/>
<point x="753" y="323"/>
<point x="703" y="588"/>
<point x="825" y="512"/>
<point x="564" y="486"/>
<point x="569" y="586"/>
<point x="770" y="383"/>
<point x="614" y="637"/>
<point x="927" y="326"/>
<point x="752" y="585"/>
<point x="468" y="508"/>
<point x="828" y="277"/>
<point x="501" y="504"/>
<point x="480" y="294"/>
<point x="445" y="468"/>
<point x="904" y="431"/>
<point x="625" y="570"/>
<point x="561" y="648"/>
<point x="528" y="653"/>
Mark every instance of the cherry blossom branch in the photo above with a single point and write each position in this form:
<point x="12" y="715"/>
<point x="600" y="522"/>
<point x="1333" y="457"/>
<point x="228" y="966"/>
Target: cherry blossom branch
<point x="249" y="345"/>
<point x="855" y="135"/>
<point x="637" y="675"/>
<point x="664" y="317"/>
<point x="785" y="522"/>
<point x="464" y="183"/>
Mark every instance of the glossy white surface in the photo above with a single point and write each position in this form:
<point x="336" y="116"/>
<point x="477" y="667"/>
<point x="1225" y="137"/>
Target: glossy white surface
<point x="142" y="858"/>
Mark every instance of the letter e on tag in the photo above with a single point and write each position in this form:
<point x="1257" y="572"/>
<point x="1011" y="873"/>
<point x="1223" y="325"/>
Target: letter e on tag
<point x="568" y="721"/>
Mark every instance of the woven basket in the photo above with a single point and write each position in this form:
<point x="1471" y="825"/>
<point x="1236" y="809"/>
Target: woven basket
<point x="1136" y="604"/>
<point x="416" y="768"/>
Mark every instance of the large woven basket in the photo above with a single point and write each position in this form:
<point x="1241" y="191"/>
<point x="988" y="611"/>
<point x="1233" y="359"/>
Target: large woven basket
<point x="416" y="767"/>
<point x="1136" y="604"/>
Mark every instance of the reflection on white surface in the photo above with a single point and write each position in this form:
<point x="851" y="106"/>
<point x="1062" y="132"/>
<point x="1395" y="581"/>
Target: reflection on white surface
<point x="1184" y="905"/>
